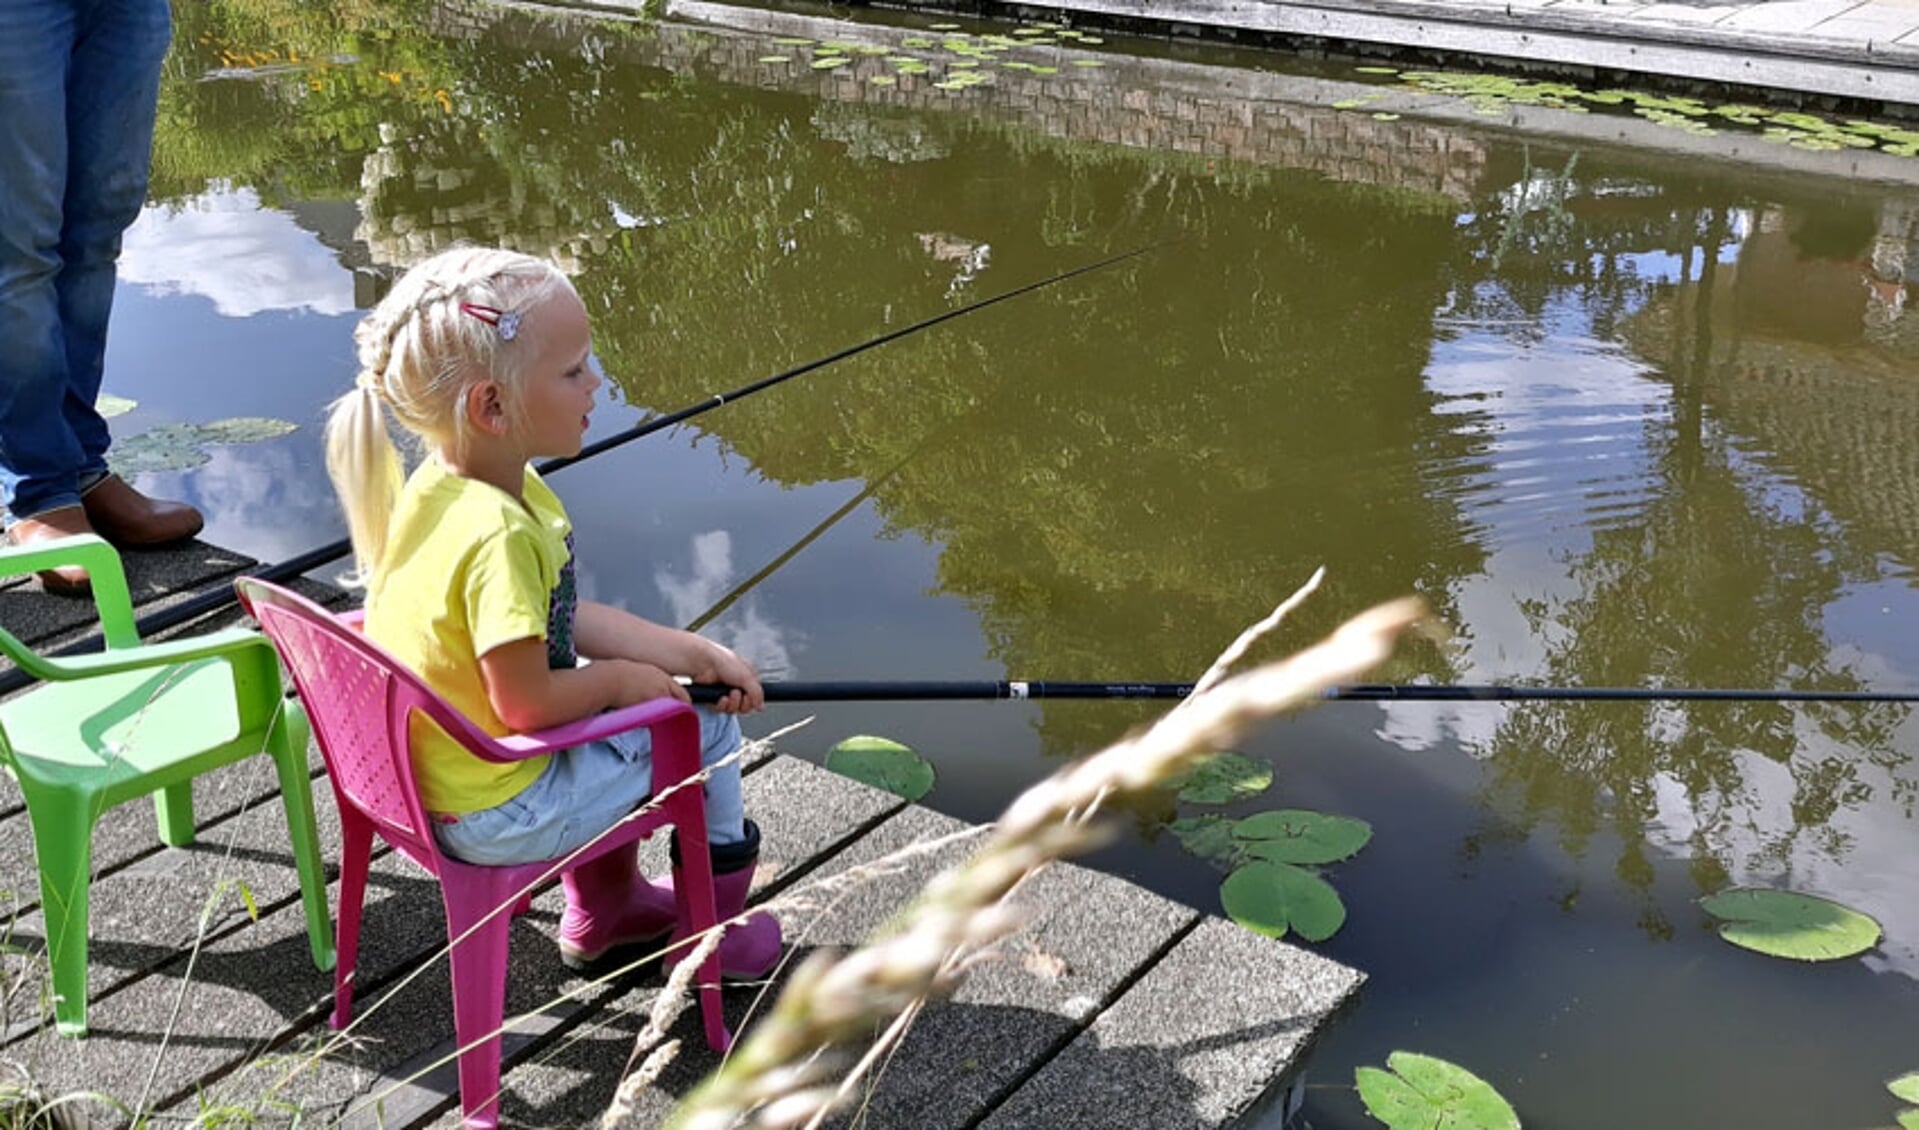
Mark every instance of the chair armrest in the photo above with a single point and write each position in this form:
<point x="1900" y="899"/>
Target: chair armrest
<point x="227" y="642"/>
<point x="517" y="747"/>
<point x="111" y="598"/>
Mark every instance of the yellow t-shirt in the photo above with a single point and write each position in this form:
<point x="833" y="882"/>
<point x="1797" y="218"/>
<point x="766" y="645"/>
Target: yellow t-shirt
<point x="468" y="568"/>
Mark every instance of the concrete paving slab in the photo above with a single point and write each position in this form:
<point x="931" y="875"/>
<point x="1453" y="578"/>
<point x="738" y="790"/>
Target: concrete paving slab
<point x="1787" y="17"/>
<point x="155" y="577"/>
<point x="145" y="914"/>
<point x="251" y="992"/>
<point x="1209" y="1037"/>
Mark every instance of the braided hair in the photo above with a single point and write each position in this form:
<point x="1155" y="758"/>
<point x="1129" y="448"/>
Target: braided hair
<point x="449" y="322"/>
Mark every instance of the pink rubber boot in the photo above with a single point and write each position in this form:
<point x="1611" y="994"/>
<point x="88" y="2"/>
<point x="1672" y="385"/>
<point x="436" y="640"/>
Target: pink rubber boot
<point x="750" y="949"/>
<point x="610" y="906"/>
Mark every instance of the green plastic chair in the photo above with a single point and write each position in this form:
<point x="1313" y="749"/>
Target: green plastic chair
<point x="133" y="720"/>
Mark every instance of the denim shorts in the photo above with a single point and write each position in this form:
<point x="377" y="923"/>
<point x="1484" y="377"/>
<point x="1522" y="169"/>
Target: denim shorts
<point x="584" y="791"/>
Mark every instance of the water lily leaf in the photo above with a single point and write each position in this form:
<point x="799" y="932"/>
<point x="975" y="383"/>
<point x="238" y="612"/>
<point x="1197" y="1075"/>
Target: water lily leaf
<point x="1906" y="1087"/>
<point x="109" y="405"/>
<point x="1909" y="1120"/>
<point x="1209" y="837"/>
<point x="776" y="58"/>
<point x="1789" y="924"/>
<point x="246" y="429"/>
<point x="1377" y="70"/>
<point x="942" y="27"/>
<point x="171" y="447"/>
<point x="1426" y="1092"/>
<point x="916" y="41"/>
<point x="1296" y="835"/>
<point x="1088" y="63"/>
<point x="1272" y="898"/>
<point x="882" y="763"/>
<point x="1221" y="778"/>
<point x="793" y="41"/>
<point x="1384" y="117"/>
<point x="828" y="62"/>
<point x="881" y="80"/>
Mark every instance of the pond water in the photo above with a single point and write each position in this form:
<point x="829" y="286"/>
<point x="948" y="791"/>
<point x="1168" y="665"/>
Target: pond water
<point x="1622" y="418"/>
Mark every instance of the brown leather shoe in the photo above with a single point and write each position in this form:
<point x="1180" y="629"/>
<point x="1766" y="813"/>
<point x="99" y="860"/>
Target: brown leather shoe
<point x="126" y="517"/>
<point x="67" y="580"/>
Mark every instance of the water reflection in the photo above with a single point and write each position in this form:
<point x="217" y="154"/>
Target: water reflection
<point x="224" y="246"/>
<point x="1622" y="421"/>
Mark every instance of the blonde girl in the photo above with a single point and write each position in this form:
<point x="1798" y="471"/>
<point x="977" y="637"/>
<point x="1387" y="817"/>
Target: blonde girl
<point x="485" y="356"/>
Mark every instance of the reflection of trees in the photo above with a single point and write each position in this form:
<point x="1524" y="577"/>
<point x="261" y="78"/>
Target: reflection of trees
<point x="1722" y="579"/>
<point x="1117" y="492"/>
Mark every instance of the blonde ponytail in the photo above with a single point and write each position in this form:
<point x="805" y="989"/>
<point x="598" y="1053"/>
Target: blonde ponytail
<point x="367" y="475"/>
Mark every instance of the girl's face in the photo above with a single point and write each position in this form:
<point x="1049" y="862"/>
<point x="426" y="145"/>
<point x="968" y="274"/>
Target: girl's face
<point x="560" y="385"/>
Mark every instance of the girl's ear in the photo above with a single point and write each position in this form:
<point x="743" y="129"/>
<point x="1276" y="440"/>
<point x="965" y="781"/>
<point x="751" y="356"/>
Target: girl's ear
<point x="485" y="406"/>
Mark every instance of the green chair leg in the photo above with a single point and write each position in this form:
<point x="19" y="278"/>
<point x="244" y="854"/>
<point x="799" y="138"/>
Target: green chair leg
<point x="63" y="842"/>
<point x="288" y="747"/>
<point x="173" y="806"/>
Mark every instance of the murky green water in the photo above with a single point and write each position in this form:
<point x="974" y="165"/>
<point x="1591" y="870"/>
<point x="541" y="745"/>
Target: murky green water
<point x="1623" y="420"/>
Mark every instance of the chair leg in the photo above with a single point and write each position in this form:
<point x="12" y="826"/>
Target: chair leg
<point x="693" y="882"/>
<point x="356" y="856"/>
<point x="63" y="845"/>
<point x="479" y="996"/>
<point x="288" y="746"/>
<point x="173" y="806"/>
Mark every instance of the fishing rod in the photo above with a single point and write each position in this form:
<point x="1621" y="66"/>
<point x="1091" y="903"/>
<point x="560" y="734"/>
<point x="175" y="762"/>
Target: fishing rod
<point x="221" y="594"/>
<point x="974" y="690"/>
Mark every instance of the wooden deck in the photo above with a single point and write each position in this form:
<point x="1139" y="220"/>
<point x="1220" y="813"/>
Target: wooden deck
<point x="1113" y="1008"/>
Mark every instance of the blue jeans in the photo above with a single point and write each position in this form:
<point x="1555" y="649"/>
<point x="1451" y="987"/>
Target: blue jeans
<point x="584" y="790"/>
<point x="79" y="91"/>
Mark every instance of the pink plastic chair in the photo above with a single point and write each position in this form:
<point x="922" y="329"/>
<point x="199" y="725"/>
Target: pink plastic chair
<point x="360" y="700"/>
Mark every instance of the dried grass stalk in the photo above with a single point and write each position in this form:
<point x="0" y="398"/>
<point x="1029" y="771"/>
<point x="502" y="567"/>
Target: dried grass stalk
<point x="783" y="1074"/>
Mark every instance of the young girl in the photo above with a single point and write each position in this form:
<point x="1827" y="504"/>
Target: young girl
<point x="486" y="357"/>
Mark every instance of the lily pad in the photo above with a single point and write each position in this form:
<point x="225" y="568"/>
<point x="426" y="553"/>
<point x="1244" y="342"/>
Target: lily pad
<point x="1209" y="837"/>
<point x="109" y="405"/>
<point x="1789" y="924"/>
<point x="776" y="58"/>
<point x="882" y="763"/>
<point x="1272" y="898"/>
<point x="1906" y="1087"/>
<point x="1296" y="835"/>
<point x="828" y="62"/>
<point x="246" y="429"/>
<point x="1420" y="1092"/>
<point x="1909" y="1120"/>
<point x="171" y="447"/>
<point x="1221" y="778"/>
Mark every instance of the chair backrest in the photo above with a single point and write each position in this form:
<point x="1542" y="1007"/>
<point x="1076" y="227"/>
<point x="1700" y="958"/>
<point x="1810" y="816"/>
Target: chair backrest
<point x="360" y="701"/>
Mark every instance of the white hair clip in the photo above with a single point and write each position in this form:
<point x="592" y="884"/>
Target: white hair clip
<point x="506" y="321"/>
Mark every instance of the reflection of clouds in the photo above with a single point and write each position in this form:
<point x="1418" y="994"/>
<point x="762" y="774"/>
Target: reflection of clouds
<point x="224" y="246"/>
<point x="745" y="628"/>
<point x="258" y="500"/>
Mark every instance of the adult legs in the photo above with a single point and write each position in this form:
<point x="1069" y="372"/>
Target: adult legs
<point x="40" y="457"/>
<point x="112" y="99"/>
